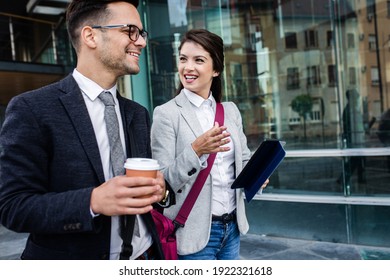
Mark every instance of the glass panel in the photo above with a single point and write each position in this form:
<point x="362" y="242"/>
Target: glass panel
<point x="326" y="222"/>
<point x="312" y="73"/>
<point x="332" y="176"/>
<point x="25" y="39"/>
<point x="365" y="225"/>
<point x="370" y="225"/>
<point x="368" y="175"/>
<point x="307" y="176"/>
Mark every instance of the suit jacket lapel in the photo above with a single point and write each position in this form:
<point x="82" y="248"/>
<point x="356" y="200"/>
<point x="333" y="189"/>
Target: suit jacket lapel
<point x="188" y="114"/>
<point x="132" y="150"/>
<point x="127" y="116"/>
<point x="75" y="106"/>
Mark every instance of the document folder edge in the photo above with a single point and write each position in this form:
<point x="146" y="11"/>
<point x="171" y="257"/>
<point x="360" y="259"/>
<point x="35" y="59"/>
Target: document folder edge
<point x="253" y="188"/>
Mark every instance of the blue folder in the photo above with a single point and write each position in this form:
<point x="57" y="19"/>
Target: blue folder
<point x="260" y="167"/>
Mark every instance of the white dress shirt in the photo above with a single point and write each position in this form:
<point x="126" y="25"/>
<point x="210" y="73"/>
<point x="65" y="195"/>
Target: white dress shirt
<point x="222" y="172"/>
<point x="96" y="108"/>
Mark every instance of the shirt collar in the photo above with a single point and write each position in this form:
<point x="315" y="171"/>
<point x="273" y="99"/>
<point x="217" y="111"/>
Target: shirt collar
<point x="90" y="88"/>
<point x="197" y="100"/>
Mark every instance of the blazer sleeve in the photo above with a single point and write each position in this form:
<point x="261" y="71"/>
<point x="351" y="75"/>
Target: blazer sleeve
<point x="29" y="200"/>
<point x="171" y="146"/>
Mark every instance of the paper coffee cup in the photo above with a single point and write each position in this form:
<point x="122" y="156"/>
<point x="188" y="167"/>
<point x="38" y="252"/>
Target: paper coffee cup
<point x="141" y="167"/>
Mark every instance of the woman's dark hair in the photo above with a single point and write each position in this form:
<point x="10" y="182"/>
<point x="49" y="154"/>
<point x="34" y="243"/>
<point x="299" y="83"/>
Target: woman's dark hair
<point x="81" y="13"/>
<point x="213" y="44"/>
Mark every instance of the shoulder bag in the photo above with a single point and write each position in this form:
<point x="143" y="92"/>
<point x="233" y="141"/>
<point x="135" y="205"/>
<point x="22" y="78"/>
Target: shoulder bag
<point x="166" y="228"/>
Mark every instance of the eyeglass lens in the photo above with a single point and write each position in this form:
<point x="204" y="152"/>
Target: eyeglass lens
<point x="134" y="33"/>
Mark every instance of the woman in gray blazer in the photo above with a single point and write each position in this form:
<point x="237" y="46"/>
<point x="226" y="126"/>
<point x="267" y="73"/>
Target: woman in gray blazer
<point x="183" y="136"/>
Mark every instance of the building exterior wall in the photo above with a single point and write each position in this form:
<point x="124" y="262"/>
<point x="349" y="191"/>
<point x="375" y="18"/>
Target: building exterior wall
<point x="334" y="49"/>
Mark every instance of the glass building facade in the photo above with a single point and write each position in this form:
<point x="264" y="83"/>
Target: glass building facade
<point x="313" y="73"/>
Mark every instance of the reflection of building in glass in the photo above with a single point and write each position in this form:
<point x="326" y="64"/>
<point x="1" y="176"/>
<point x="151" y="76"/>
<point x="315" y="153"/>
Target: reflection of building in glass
<point x="306" y="62"/>
<point x="318" y="49"/>
<point x="278" y="53"/>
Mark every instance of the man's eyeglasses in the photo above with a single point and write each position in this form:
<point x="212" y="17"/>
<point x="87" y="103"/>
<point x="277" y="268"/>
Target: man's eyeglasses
<point x="134" y="31"/>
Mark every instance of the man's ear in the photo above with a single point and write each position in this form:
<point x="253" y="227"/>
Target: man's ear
<point x="88" y="36"/>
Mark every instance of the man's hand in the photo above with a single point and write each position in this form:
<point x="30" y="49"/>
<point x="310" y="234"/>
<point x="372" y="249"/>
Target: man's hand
<point x="124" y="195"/>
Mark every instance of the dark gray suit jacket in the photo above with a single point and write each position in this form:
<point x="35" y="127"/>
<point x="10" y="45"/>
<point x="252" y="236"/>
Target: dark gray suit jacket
<point x="50" y="164"/>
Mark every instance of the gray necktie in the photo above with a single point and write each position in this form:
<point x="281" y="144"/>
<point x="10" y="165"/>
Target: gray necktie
<point x="117" y="155"/>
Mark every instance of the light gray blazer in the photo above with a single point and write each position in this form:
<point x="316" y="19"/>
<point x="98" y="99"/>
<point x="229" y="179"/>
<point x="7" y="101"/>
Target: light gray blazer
<point x="175" y="126"/>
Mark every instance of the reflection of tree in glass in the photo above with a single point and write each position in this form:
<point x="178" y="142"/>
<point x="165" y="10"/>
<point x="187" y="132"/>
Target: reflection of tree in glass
<point x="302" y="104"/>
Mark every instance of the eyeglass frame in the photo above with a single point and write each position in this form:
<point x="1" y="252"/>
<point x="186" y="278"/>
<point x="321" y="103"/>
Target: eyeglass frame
<point x="144" y="34"/>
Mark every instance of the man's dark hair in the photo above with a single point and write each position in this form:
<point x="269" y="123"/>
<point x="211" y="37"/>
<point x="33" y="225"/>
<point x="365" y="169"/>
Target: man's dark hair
<point x="213" y="44"/>
<point x="81" y="13"/>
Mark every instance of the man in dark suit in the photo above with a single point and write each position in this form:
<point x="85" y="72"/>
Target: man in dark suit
<point x="56" y="178"/>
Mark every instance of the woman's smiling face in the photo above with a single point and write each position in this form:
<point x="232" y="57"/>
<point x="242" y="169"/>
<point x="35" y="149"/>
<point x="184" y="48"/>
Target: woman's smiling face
<point x="196" y="69"/>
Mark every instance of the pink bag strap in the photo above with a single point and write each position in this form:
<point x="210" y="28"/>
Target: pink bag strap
<point x="189" y="202"/>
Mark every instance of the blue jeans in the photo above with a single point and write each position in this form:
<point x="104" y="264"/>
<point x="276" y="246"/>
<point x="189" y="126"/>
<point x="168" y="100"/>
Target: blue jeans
<point x="224" y="243"/>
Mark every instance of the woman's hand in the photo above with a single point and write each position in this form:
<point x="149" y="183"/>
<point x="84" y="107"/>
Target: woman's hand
<point x="265" y="184"/>
<point x="212" y="141"/>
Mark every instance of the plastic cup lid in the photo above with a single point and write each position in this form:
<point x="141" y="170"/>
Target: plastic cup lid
<point x="142" y="164"/>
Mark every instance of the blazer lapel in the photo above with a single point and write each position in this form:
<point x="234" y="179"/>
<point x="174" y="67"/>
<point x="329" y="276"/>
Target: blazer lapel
<point x="234" y="134"/>
<point x="127" y="118"/>
<point x="188" y="114"/>
<point x="132" y="150"/>
<point x="75" y="106"/>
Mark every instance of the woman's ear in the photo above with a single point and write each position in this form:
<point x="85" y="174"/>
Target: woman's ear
<point x="215" y="74"/>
